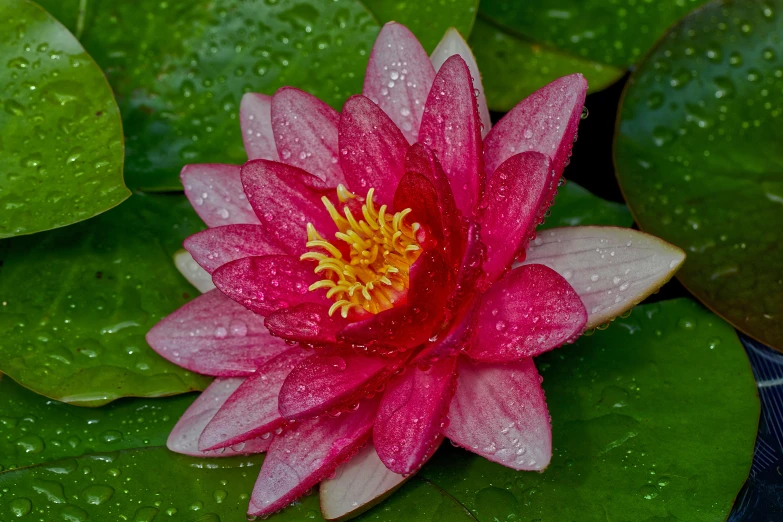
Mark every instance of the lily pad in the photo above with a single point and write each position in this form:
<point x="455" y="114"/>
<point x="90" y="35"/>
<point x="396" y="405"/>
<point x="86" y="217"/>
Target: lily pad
<point x="78" y="301"/>
<point x="576" y="206"/>
<point x="512" y="67"/>
<point x="614" y="33"/>
<point x="428" y="19"/>
<point x="120" y="486"/>
<point x="179" y="69"/>
<point x="653" y="419"/>
<point x="35" y="429"/>
<point x="61" y="151"/>
<point x="699" y="160"/>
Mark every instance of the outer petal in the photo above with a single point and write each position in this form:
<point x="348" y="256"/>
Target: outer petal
<point x="452" y="128"/>
<point x="299" y="459"/>
<point x="407" y="427"/>
<point x="452" y="44"/>
<point x="434" y="207"/>
<point x="255" y="117"/>
<point x="252" y="410"/>
<point x="324" y="382"/>
<point x="305" y="131"/>
<point x="184" y="437"/>
<point x="372" y="149"/>
<point x="308" y="324"/>
<point x="612" y="269"/>
<point x="195" y="275"/>
<point x="358" y="485"/>
<point x="530" y="311"/>
<point x="410" y="324"/>
<point x="267" y="283"/>
<point x="499" y="412"/>
<point x="398" y="78"/>
<point x="509" y="210"/>
<point x="215" y="191"/>
<point x="546" y="122"/>
<point x="216" y="336"/>
<point x="285" y="203"/>
<point x="217" y="246"/>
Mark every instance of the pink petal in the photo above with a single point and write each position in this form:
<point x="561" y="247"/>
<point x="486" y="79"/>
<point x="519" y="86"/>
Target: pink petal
<point x="216" y="336"/>
<point x="305" y="131"/>
<point x="217" y="246"/>
<point x="456" y="340"/>
<point x="612" y="269"/>
<point x="191" y="270"/>
<point x="452" y="128"/>
<point x="407" y="427"/>
<point x="300" y="458"/>
<point x="525" y="314"/>
<point x="398" y="78"/>
<point x="546" y="122"/>
<point x="307" y="324"/>
<point x="184" y="437"/>
<point x="255" y="117"/>
<point x="410" y="324"/>
<point x="509" y="210"/>
<point x="470" y="277"/>
<point x="284" y="202"/>
<point x="358" y="485"/>
<point x="432" y="203"/>
<point x="452" y="44"/>
<point x="252" y="409"/>
<point x="499" y="412"/>
<point x="372" y="149"/>
<point x="323" y="382"/>
<point x="267" y="283"/>
<point x="215" y="191"/>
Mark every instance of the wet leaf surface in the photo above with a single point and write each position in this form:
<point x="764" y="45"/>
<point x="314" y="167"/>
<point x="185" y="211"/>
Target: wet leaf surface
<point x="699" y="160"/>
<point x="429" y="19"/>
<point x="576" y="206"/>
<point x="653" y="419"/>
<point x="78" y="301"/>
<point x="35" y="429"/>
<point x="513" y="67"/>
<point x="179" y="69"/>
<point x="61" y="150"/>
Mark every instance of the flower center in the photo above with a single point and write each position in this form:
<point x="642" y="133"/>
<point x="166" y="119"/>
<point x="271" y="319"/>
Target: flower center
<point x="380" y="251"/>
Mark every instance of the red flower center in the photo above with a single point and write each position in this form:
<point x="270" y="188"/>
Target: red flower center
<point x="369" y="269"/>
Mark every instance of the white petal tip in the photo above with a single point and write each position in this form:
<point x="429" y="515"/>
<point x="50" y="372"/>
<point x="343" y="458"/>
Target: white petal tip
<point x="195" y="275"/>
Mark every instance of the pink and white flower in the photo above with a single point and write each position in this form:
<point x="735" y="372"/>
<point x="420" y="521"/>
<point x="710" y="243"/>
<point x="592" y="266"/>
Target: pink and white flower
<point x="380" y="285"/>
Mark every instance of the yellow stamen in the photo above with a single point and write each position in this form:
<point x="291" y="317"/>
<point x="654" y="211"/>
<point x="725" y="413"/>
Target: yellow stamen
<point x="382" y="249"/>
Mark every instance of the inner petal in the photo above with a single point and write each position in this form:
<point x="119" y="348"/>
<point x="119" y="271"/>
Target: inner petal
<point x="381" y="247"/>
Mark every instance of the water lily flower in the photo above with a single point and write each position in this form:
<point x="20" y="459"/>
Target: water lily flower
<point x="380" y="284"/>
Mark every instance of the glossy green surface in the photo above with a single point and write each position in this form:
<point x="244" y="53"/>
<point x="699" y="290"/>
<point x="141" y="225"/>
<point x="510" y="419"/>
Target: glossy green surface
<point x="179" y="69"/>
<point x="61" y="148"/>
<point x="576" y="206"/>
<point x="654" y="419"/>
<point x="35" y="429"/>
<point x="120" y="485"/>
<point x="616" y="33"/>
<point x="428" y="19"/>
<point x="78" y="301"/>
<point x="699" y="158"/>
<point x="513" y="67"/>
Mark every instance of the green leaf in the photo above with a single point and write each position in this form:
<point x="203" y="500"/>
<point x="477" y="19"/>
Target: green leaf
<point x="427" y="19"/>
<point x="179" y="69"/>
<point x="513" y="67"/>
<point x="699" y="159"/>
<point x="34" y="429"/>
<point x="576" y="206"/>
<point x="653" y="419"/>
<point x="139" y="484"/>
<point x="61" y="149"/>
<point x="78" y="301"/>
<point x="614" y="33"/>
